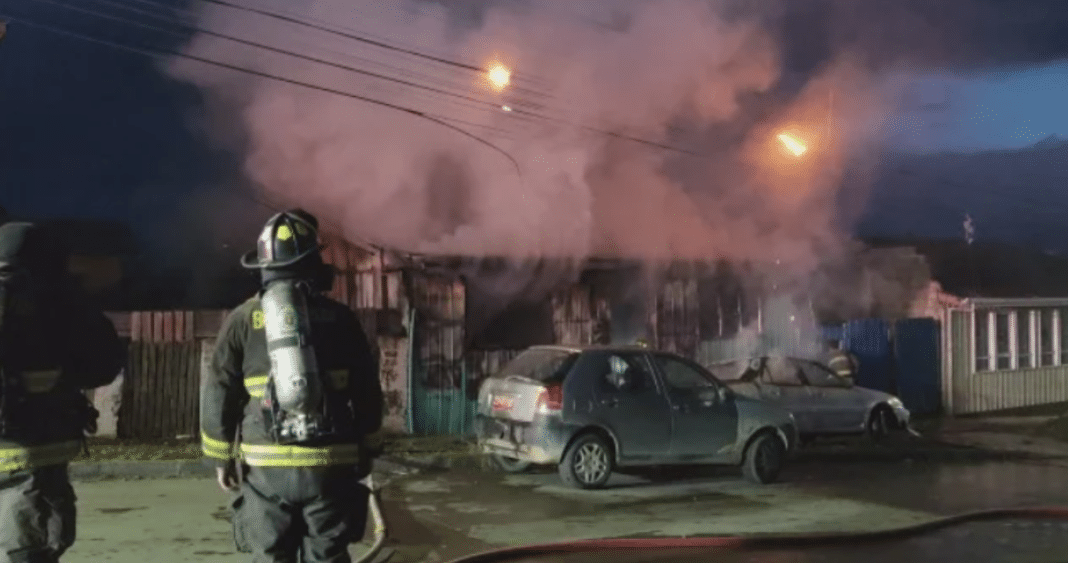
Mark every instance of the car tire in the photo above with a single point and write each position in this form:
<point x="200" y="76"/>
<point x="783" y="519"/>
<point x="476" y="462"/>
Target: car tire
<point x="510" y="464"/>
<point x="587" y="463"/>
<point x="764" y="458"/>
<point x="879" y="423"/>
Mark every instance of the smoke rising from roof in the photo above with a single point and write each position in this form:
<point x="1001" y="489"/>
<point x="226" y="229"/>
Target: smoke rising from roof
<point x="719" y="78"/>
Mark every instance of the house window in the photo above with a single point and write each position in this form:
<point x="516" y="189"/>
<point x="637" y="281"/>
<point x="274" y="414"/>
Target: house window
<point x="1003" y="340"/>
<point x="1045" y="338"/>
<point x="1022" y="321"/>
<point x="1062" y="334"/>
<point x="982" y="341"/>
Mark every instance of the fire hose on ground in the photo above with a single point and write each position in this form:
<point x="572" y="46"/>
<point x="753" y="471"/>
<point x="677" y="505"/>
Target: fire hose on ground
<point x="765" y="541"/>
<point x="379" y="523"/>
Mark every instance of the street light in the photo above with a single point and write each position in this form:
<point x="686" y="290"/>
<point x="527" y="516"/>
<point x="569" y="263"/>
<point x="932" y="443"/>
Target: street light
<point x="792" y="144"/>
<point x="499" y="76"/>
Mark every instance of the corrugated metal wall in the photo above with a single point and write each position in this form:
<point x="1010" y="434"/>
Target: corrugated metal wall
<point x="968" y="391"/>
<point x="989" y="391"/>
<point x="869" y="341"/>
<point x="573" y="316"/>
<point x="917" y="364"/>
<point x="678" y="318"/>
<point x="439" y="401"/>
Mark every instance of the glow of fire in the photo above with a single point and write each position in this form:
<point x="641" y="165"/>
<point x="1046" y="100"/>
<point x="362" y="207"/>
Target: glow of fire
<point x="499" y="76"/>
<point x="792" y="144"/>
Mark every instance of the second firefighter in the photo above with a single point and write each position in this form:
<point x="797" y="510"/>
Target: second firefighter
<point x="293" y="394"/>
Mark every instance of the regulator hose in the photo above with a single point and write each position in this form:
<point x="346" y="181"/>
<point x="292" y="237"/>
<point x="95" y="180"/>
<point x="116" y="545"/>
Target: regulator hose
<point x="766" y="541"/>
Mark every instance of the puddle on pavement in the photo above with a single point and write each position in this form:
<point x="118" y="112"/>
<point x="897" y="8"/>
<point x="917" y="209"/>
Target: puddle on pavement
<point x="120" y="510"/>
<point x="492" y="494"/>
<point x="425" y="486"/>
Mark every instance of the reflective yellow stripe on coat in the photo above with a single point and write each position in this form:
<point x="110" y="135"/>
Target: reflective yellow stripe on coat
<point x="32" y="457"/>
<point x="256" y="385"/>
<point x="216" y="449"/>
<point x="299" y="456"/>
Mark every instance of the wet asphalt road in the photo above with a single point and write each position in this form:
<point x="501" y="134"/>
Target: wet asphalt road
<point x="437" y="516"/>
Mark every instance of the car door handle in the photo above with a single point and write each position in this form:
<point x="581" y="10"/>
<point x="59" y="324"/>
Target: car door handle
<point x="613" y="402"/>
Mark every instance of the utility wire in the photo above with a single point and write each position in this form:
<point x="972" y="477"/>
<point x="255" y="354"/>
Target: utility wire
<point x="170" y="19"/>
<point x="265" y="47"/>
<point x="362" y="38"/>
<point x="513" y="112"/>
<point x="410" y="111"/>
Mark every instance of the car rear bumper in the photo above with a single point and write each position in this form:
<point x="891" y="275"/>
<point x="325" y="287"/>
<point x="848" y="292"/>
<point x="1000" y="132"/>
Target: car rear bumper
<point x="540" y="442"/>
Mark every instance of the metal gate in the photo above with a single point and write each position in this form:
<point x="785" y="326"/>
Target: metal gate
<point x="439" y="379"/>
<point x="918" y="364"/>
<point x="869" y="341"/>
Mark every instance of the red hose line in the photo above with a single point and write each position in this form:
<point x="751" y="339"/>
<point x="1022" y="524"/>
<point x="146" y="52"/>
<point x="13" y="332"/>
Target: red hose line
<point x="766" y="541"/>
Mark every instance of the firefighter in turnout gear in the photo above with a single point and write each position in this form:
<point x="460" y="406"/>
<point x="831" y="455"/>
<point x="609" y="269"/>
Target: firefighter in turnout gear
<point x="293" y="396"/>
<point x="841" y="361"/>
<point x="53" y="347"/>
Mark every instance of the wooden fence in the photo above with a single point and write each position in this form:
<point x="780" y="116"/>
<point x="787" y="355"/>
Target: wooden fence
<point x="161" y="388"/>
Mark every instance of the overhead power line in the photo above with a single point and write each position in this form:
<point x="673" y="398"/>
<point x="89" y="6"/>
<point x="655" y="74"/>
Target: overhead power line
<point x="348" y="34"/>
<point x="440" y="120"/>
<point x="120" y="19"/>
<point x="512" y="112"/>
<point x="177" y="12"/>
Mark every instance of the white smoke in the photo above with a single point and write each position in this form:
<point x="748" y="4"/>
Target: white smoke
<point x="669" y="71"/>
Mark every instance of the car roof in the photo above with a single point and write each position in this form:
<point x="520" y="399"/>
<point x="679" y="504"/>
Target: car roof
<point x="755" y="356"/>
<point x="579" y="348"/>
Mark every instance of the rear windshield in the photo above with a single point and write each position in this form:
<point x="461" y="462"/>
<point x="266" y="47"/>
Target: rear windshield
<point x="539" y="365"/>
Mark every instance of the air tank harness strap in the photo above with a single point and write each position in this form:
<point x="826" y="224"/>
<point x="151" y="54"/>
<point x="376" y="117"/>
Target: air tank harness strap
<point x="299" y="456"/>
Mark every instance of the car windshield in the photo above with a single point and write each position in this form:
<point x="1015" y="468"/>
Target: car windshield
<point x="539" y="364"/>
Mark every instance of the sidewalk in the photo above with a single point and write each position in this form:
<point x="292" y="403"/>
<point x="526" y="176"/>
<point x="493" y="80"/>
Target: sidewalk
<point x="116" y="459"/>
<point x="1022" y="435"/>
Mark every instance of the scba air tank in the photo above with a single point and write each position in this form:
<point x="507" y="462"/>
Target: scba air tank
<point x="295" y="392"/>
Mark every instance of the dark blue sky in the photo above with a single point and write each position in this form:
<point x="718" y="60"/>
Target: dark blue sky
<point x="994" y="110"/>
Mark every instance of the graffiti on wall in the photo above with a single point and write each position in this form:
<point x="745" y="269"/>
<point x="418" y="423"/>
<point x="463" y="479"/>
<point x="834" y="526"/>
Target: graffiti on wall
<point x="393" y="370"/>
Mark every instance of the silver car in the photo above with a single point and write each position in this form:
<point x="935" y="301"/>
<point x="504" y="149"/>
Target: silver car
<point x="591" y="409"/>
<point x="822" y="402"/>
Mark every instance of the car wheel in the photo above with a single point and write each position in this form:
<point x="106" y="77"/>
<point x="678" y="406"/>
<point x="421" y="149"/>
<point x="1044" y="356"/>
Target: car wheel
<point x="764" y="458"/>
<point x="587" y="463"/>
<point x="510" y="464"/>
<point x="879" y="423"/>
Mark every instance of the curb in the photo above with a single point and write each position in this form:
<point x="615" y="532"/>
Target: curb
<point x="104" y="470"/>
<point x="86" y="471"/>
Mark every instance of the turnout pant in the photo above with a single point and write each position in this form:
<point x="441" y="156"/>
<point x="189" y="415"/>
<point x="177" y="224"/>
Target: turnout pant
<point x="308" y="514"/>
<point x="37" y="515"/>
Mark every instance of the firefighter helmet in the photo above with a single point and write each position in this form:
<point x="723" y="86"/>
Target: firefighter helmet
<point x="287" y="238"/>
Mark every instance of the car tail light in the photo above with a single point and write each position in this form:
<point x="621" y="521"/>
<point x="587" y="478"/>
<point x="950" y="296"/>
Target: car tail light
<point x="551" y="399"/>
